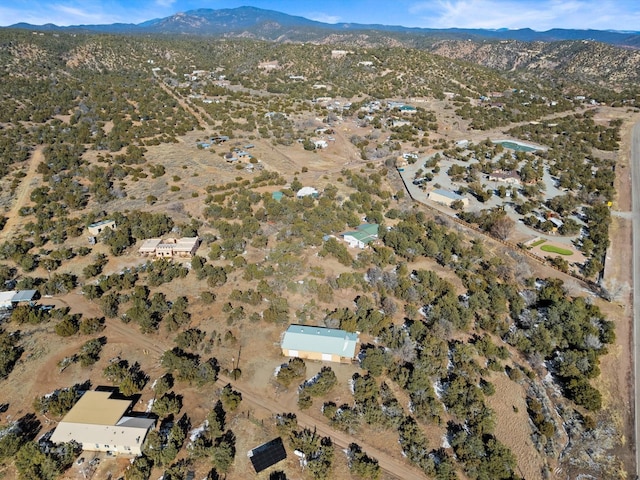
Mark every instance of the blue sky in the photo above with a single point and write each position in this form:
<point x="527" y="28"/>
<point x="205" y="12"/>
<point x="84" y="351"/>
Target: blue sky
<point x="537" y="14"/>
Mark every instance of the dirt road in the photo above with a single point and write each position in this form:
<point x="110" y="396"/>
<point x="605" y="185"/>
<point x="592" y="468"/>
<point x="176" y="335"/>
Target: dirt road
<point x="22" y="195"/>
<point x="192" y="109"/>
<point x="390" y="465"/>
<point x="635" y="195"/>
<point x="253" y="399"/>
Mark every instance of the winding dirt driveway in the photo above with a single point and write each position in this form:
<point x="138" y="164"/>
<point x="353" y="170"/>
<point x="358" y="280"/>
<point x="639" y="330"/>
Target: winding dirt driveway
<point x="393" y="467"/>
<point x="22" y="195"/>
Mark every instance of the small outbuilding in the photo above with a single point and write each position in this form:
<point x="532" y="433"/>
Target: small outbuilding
<point x="267" y="454"/>
<point x="319" y="343"/>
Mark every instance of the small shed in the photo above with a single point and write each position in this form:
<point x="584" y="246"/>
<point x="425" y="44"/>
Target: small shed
<point x="267" y="454"/>
<point x="511" y="177"/>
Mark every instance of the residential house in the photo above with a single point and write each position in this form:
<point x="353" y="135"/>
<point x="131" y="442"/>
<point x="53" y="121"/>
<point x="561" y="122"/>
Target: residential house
<point x="102" y="423"/>
<point x="511" y="177"/>
<point x="396" y="122"/>
<point x="318" y="343"/>
<point x="320" y="144"/>
<point x="362" y="236"/>
<point x="98" y="227"/>
<point x="170" y="248"/>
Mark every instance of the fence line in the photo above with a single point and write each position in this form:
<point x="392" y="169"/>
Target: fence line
<point x="513" y="246"/>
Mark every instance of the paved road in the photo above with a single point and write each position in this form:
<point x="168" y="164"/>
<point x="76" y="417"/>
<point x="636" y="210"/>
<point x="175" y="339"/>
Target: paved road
<point x="635" y="203"/>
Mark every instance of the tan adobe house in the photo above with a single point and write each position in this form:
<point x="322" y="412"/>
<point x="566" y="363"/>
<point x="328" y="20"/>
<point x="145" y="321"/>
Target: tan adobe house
<point x="101" y="423"/>
<point x="170" y="248"/>
<point x="98" y="227"/>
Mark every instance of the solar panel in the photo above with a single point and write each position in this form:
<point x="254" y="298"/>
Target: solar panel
<point x="268" y="454"/>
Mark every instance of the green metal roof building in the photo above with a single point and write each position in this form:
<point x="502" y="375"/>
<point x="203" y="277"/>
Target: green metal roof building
<point x="318" y="343"/>
<point x="364" y="234"/>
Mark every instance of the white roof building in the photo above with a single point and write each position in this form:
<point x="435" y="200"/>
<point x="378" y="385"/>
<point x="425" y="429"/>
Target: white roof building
<point x="307" y="191"/>
<point x="100" y="423"/>
<point x="5" y="299"/>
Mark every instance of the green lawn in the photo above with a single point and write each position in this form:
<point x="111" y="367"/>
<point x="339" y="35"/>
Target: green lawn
<point x="554" y="249"/>
<point x="538" y="242"/>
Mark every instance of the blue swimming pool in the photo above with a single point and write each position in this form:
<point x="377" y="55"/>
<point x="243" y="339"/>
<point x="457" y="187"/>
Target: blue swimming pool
<point x="518" y="147"/>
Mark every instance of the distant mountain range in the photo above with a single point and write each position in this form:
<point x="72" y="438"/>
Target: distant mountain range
<point x="270" y="25"/>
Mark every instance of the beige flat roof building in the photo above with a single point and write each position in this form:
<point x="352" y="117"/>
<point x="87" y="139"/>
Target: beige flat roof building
<point x="100" y="423"/>
<point x="169" y="248"/>
<point x="98" y="227"/>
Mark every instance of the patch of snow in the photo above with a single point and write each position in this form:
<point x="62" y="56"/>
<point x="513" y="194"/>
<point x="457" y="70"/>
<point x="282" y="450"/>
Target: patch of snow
<point x="438" y="388"/>
<point x="196" y="432"/>
<point x="150" y="405"/>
